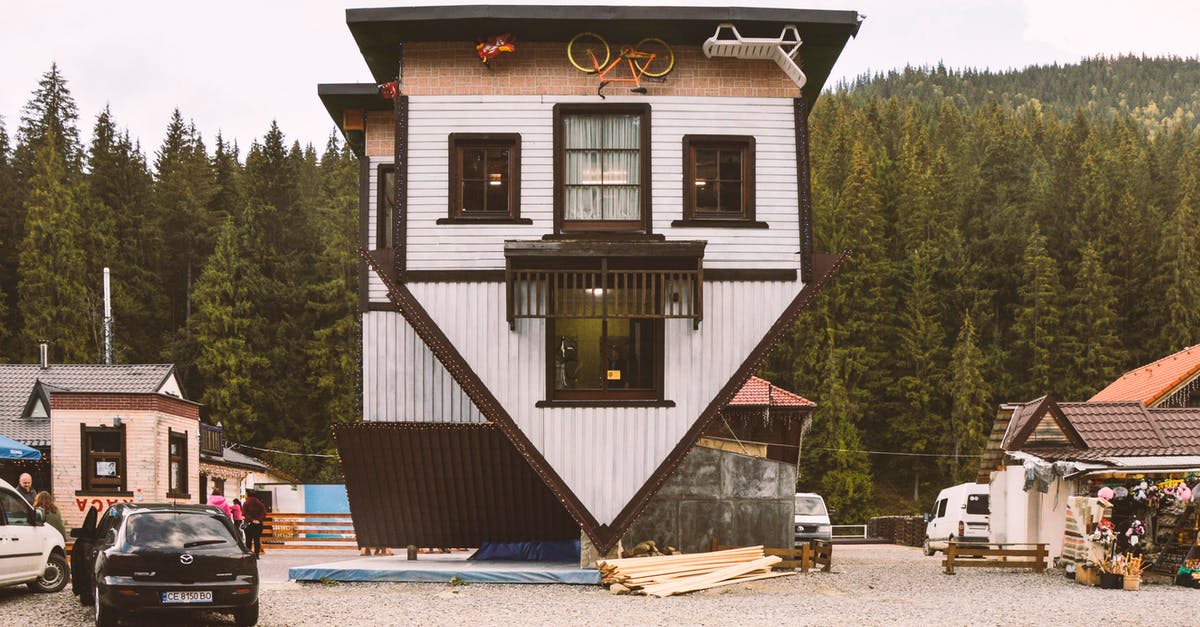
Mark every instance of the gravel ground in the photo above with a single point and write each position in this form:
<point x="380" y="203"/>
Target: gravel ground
<point x="870" y="585"/>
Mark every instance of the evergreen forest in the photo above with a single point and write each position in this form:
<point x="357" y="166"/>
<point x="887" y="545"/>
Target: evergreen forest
<point x="1013" y="234"/>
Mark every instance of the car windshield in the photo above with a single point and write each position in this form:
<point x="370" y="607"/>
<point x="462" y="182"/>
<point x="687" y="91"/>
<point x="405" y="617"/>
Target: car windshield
<point x="977" y="504"/>
<point x="810" y="506"/>
<point x="176" y="530"/>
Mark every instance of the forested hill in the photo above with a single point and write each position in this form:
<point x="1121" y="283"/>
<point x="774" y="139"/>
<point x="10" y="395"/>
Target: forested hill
<point x="1155" y="92"/>
<point x="1014" y="235"/>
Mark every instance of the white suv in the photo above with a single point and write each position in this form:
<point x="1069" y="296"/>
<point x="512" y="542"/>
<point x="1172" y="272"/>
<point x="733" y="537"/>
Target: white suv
<point x="31" y="552"/>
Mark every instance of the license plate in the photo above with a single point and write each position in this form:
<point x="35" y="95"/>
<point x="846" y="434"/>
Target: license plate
<point x="188" y="596"/>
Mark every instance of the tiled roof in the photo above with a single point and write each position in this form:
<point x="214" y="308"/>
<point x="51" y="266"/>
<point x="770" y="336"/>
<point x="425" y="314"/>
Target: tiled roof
<point x="17" y="381"/>
<point x="1151" y="382"/>
<point x="1114" y="425"/>
<point x="759" y="392"/>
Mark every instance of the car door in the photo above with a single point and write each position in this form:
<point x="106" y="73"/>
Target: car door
<point x="937" y="526"/>
<point x="20" y="542"/>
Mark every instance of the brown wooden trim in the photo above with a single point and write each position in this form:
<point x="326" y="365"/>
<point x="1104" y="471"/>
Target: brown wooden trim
<point x="364" y="214"/>
<point x="604" y="536"/>
<point x="400" y="238"/>
<point x="744" y="143"/>
<point x="646" y="223"/>
<point x="511" y="141"/>
<point x="829" y="269"/>
<point x="461" y="220"/>
<point x="722" y="224"/>
<point x="605" y="403"/>
<point x="381" y="306"/>
<point x="470" y="383"/>
<point x="749" y="274"/>
<point x="803" y="187"/>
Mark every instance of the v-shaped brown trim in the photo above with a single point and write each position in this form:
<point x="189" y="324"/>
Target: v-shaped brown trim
<point x="603" y="536"/>
<point x="1046" y="404"/>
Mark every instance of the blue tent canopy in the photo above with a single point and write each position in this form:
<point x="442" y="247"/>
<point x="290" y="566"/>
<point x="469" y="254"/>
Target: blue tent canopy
<point x="12" y="449"/>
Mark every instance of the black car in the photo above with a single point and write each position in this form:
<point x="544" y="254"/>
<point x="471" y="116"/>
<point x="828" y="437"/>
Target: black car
<point x="163" y="558"/>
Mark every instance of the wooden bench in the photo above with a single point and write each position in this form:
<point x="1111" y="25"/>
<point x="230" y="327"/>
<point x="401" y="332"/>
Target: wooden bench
<point x="995" y="555"/>
<point x="308" y="531"/>
<point x="807" y="557"/>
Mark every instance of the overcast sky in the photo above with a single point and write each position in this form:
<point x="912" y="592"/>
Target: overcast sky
<point x="235" y="66"/>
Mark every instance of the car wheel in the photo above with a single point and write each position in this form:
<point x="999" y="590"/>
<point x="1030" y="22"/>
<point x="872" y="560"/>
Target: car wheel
<point x="54" y="577"/>
<point x="926" y="548"/>
<point x="105" y="615"/>
<point x="246" y="616"/>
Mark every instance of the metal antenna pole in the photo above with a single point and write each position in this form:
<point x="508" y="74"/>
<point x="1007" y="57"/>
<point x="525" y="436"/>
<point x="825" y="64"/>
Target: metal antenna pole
<point x="108" y="321"/>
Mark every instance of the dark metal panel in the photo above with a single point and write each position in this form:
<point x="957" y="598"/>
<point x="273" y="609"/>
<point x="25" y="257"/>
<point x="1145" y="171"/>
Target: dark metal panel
<point x="444" y="485"/>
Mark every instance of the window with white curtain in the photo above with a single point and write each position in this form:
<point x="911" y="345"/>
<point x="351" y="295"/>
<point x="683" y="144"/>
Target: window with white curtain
<point x="602" y="168"/>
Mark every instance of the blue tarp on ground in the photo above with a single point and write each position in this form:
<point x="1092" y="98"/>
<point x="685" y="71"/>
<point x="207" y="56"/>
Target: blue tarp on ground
<point x="12" y="449"/>
<point x="555" y="551"/>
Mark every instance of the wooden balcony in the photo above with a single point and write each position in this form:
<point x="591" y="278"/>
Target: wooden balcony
<point x="212" y="440"/>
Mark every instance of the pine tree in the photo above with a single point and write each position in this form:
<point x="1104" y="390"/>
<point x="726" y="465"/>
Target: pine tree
<point x="9" y="237"/>
<point x="50" y="115"/>
<point x="836" y="465"/>
<point x="1179" y="259"/>
<point x="1036" y="324"/>
<point x="969" y="407"/>
<point x="52" y="297"/>
<point x="230" y="335"/>
<point x="1093" y="342"/>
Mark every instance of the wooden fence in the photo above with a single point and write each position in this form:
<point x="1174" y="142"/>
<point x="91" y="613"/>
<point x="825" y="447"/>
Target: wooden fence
<point x="983" y="555"/>
<point x="308" y="531"/>
<point x="807" y="557"/>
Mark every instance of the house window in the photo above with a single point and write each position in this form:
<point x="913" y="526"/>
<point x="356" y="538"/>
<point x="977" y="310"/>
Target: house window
<point x="718" y="180"/>
<point x="385" y="206"/>
<point x="484" y="178"/>
<point x="602" y="168"/>
<point x="610" y="357"/>
<point x="177" y="463"/>
<point x="103" y="458"/>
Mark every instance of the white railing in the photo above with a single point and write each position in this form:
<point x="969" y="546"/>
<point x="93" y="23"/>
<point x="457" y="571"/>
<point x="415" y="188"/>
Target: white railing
<point x="849" y="531"/>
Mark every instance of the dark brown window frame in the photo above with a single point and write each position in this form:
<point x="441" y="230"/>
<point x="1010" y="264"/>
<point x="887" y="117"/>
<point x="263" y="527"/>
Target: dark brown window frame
<point x="608" y="398"/>
<point x="182" y="458"/>
<point x="615" y="228"/>
<point x="382" y="226"/>
<point x="459" y="141"/>
<point x="88" y="462"/>
<point x="693" y="218"/>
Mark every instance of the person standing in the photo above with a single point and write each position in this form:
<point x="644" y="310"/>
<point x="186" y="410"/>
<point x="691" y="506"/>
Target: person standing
<point x="53" y="516"/>
<point x="255" y="514"/>
<point x="25" y="487"/>
<point x="216" y="499"/>
<point x="235" y="511"/>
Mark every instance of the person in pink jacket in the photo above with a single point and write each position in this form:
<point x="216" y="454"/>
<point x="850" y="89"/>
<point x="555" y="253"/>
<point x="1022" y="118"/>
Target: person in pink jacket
<point x="218" y="500"/>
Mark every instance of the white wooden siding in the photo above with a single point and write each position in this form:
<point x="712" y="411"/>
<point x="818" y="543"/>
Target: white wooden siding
<point x="403" y="381"/>
<point x="432" y="119"/>
<point x="604" y="454"/>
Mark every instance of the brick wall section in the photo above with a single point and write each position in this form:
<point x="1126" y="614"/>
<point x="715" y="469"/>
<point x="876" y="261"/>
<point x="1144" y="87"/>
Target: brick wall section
<point x="542" y="69"/>
<point x="146" y="461"/>
<point x="146" y="402"/>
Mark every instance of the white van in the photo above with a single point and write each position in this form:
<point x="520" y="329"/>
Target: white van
<point x="31" y="552"/>
<point x="812" y="519"/>
<point x="959" y="513"/>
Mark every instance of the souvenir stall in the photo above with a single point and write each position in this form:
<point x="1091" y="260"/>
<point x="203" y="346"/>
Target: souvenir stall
<point x="1123" y="527"/>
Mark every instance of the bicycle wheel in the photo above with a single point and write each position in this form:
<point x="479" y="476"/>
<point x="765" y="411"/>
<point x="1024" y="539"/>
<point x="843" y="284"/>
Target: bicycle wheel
<point x="663" y="61"/>
<point x="588" y="52"/>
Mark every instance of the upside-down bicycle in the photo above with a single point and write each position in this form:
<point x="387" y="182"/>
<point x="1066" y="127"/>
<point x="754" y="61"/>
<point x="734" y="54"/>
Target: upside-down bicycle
<point x="649" y="58"/>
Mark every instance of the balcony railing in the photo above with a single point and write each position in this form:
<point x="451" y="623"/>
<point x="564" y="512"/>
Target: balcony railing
<point x="212" y="440"/>
<point x="548" y="293"/>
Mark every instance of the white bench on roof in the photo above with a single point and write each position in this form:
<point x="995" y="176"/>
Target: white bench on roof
<point x="782" y="49"/>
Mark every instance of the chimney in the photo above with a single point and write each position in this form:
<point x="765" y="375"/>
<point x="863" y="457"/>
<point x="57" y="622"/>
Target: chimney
<point x="44" y="354"/>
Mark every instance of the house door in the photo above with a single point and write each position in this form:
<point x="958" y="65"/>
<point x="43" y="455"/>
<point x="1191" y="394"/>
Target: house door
<point x="203" y="489"/>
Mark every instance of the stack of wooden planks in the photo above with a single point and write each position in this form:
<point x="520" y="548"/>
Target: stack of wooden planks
<point x="666" y="575"/>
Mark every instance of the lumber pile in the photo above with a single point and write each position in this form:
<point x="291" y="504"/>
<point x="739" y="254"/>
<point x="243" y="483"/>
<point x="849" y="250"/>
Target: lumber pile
<point x="649" y="549"/>
<point x="666" y="575"/>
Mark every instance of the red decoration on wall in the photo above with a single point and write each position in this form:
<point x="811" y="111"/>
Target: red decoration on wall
<point x="494" y="46"/>
<point x="390" y="90"/>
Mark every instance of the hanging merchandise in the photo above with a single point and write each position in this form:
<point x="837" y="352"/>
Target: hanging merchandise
<point x="389" y="90"/>
<point x="1105" y="493"/>
<point x="491" y="47"/>
<point x="1136" y="530"/>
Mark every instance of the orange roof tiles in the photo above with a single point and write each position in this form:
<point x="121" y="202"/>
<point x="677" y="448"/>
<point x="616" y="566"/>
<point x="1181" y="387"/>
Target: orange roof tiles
<point x="1150" y="383"/>
<point x="759" y="392"/>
